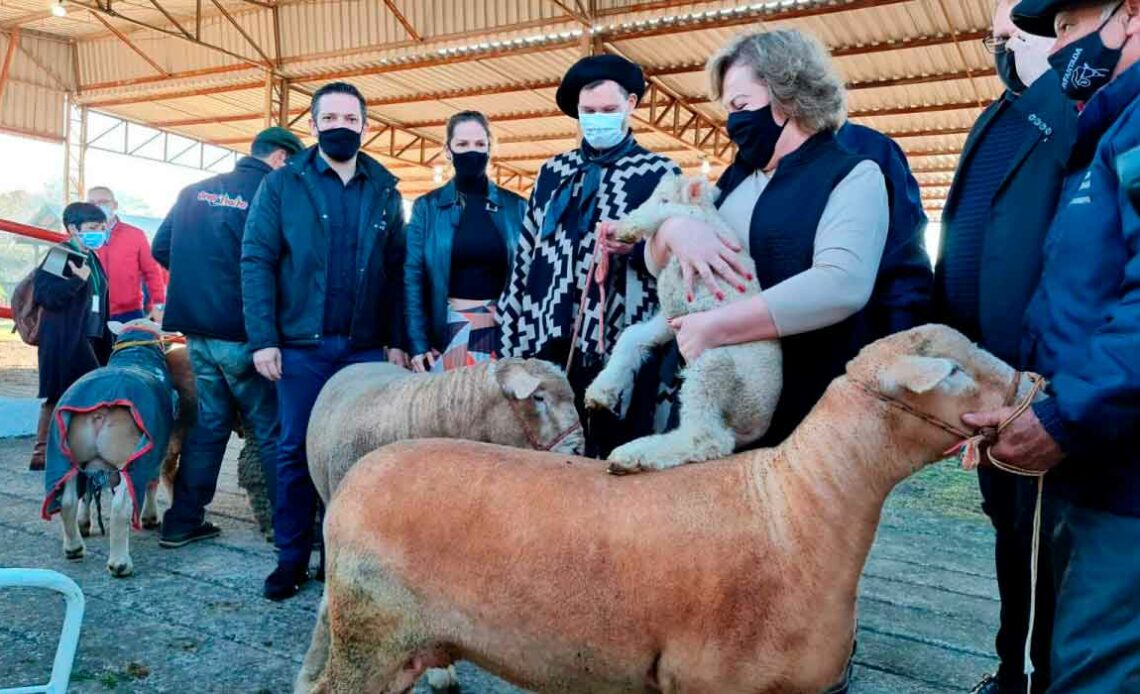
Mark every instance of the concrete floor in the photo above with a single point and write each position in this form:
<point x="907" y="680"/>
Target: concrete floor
<point x="193" y="620"/>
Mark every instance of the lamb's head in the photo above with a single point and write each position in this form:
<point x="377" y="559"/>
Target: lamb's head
<point x="675" y="196"/>
<point x="536" y="409"/>
<point x="940" y="375"/>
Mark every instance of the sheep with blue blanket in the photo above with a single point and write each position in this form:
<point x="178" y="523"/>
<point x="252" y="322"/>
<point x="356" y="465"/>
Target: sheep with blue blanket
<point x="111" y="430"/>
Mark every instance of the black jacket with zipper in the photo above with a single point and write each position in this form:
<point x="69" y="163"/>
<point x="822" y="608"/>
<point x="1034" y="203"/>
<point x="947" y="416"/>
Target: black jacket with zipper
<point x="284" y="259"/>
<point x="1019" y="215"/>
<point x="431" y="233"/>
<point x="201" y="238"/>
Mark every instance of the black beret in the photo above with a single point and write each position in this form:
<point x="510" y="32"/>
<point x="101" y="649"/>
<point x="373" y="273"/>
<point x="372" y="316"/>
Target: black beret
<point x="1036" y="16"/>
<point x="280" y="137"/>
<point x="593" y="68"/>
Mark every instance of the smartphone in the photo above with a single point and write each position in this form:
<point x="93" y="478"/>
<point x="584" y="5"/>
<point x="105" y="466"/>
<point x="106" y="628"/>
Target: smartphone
<point x="58" y="257"/>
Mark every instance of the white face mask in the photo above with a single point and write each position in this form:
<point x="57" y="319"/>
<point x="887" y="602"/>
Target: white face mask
<point x="603" y="130"/>
<point x="1031" y="53"/>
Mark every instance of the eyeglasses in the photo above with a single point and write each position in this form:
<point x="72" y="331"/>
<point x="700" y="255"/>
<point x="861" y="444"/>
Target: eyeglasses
<point x="994" y="45"/>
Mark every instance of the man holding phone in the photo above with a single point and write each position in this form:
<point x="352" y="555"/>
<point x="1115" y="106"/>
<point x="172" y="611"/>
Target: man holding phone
<point x="71" y="287"/>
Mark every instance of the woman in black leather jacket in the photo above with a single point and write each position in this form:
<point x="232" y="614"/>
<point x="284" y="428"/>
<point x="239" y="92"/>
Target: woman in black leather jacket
<point x="461" y="244"/>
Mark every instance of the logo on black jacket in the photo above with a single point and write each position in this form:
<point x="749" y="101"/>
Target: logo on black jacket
<point x="223" y="200"/>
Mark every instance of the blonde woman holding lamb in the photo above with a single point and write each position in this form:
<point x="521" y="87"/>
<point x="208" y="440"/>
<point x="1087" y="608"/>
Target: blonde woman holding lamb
<point x="810" y="214"/>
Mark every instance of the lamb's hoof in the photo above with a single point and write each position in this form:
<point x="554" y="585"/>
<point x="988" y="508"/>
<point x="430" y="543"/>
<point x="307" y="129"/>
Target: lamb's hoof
<point x="602" y="398"/>
<point x="74" y="554"/>
<point x="617" y="470"/>
<point x="85" y="530"/>
<point x="150" y="523"/>
<point x="121" y="570"/>
<point x="643" y="455"/>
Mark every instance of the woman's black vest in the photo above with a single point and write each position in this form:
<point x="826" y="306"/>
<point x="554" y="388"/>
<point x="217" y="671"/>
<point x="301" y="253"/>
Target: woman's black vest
<point x="782" y="243"/>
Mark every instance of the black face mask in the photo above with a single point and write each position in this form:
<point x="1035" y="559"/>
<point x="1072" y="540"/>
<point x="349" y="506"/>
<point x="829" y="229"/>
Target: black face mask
<point x="340" y="144"/>
<point x="1086" y="65"/>
<point x="755" y="134"/>
<point x="1006" y="63"/>
<point x="469" y="165"/>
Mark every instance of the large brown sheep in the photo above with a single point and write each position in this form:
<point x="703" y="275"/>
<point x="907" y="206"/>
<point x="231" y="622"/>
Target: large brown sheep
<point x="738" y="575"/>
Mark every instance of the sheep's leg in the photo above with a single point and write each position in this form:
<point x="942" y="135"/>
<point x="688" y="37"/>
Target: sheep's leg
<point x="84" y="517"/>
<point x="703" y="433"/>
<point x="443" y="679"/>
<point x="630" y="352"/>
<point x="379" y="668"/>
<point x="150" y="507"/>
<point x="317" y="657"/>
<point x="73" y="547"/>
<point x="119" y="561"/>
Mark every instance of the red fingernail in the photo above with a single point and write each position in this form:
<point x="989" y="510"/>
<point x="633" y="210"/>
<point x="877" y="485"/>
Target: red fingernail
<point x="740" y="288"/>
<point x="720" y="296"/>
<point x="749" y="277"/>
<point x="689" y="297"/>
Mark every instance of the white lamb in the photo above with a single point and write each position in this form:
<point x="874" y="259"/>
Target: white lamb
<point x="729" y="393"/>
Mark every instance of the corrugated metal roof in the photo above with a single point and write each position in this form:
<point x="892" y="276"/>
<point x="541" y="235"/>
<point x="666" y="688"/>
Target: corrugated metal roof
<point x="916" y="68"/>
<point x="34" y="96"/>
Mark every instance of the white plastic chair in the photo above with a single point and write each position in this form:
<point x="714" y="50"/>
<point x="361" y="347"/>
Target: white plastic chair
<point x="72" y="621"/>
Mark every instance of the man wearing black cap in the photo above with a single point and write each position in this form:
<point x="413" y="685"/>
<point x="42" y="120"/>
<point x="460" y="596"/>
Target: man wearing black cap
<point x="999" y="208"/>
<point x="1083" y="334"/>
<point x="605" y="178"/>
<point x="199" y="242"/>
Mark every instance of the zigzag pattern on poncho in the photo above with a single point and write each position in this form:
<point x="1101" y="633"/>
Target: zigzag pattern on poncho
<point x="542" y="298"/>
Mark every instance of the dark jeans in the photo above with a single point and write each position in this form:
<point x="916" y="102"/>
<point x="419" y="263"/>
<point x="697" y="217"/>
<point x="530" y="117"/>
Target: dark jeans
<point x="1096" y="635"/>
<point x="227" y="385"/>
<point x="304" y="371"/>
<point x="128" y="316"/>
<point x="1009" y="501"/>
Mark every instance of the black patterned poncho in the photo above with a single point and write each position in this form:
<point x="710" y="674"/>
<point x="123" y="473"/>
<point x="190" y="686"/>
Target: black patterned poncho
<point x="541" y="301"/>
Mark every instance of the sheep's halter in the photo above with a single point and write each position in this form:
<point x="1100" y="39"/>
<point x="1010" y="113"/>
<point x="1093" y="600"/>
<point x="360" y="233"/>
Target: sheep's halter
<point x="532" y="436"/>
<point x="970" y="449"/>
<point x="596" y="274"/>
<point x="159" y="340"/>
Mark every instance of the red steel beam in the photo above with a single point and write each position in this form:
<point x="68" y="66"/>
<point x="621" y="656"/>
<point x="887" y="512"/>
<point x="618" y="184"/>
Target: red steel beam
<point x="130" y="44"/>
<point x="403" y="20"/>
<point x="31" y="232"/>
<point x="13" y="41"/>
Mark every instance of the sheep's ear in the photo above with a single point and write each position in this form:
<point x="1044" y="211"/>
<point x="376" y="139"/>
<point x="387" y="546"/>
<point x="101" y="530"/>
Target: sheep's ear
<point x="116" y="327"/>
<point x="515" y="381"/>
<point x="695" y="189"/>
<point x="915" y="374"/>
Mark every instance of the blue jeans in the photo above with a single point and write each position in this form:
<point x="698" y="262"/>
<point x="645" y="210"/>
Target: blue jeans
<point x="1096" y="632"/>
<point x="304" y="371"/>
<point x="227" y="384"/>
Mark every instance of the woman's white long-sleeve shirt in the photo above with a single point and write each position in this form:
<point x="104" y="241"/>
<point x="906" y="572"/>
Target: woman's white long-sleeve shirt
<point x="849" y="242"/>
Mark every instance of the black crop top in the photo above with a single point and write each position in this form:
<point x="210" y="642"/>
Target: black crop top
<point x="478" y="253"/>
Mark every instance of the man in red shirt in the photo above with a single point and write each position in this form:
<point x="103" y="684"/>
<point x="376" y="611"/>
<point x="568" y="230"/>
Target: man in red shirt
<point x="128" y="262"/>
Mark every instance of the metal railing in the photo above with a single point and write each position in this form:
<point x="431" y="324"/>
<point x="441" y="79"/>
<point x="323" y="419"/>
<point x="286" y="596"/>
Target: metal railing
<point x="69" y="634"/>
<point x="31" y="232"/>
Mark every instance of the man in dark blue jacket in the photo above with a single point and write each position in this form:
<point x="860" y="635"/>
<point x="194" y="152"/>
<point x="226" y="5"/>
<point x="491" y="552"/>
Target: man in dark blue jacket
<point x="199" y="242"/>
<point x="999" y="208"/>
<point x="323" y="283"/>
<point x="1083" y="334"/>
<point x="902" y="296"/>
